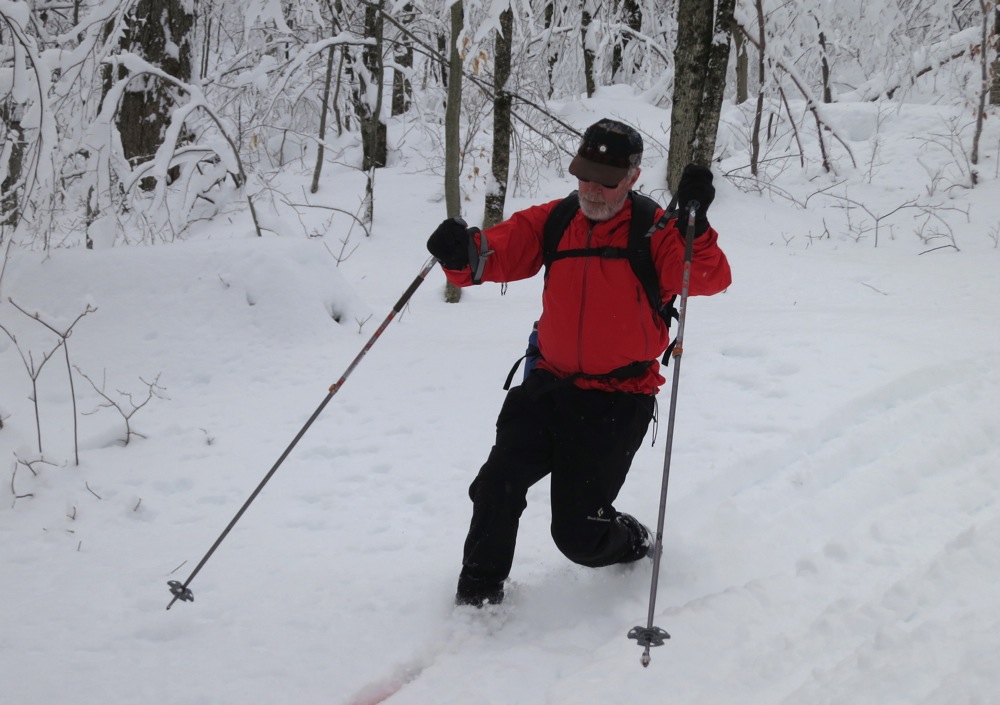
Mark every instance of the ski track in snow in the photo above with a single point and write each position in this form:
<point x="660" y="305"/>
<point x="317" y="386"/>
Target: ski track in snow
<point x="822" y="616"/>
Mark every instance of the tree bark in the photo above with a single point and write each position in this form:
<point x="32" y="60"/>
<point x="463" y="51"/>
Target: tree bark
<point x="323" y="113"/>
<point x="11" y="188"/>
<point x="699" y="83"/>
<point x="995" y="74"/>
<point x="402" y="89"/>
<point x="160" y="32"/>
<point x="367" y="101"/>
<point x="373" y="130"/>
<point x="825" y="69"/>
<point x="758" y="115"/>
<point x="548" y="18"/>
<point x="452" y="132"/>
<point x="631" y="15"/>
<point x="983" y="90"/>
<point x="496" y="196"/>
<point x="588" y="52"/>
<point x="742" y="69"/>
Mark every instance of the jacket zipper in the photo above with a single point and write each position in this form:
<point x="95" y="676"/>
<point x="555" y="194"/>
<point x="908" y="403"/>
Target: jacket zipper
<point x="583" y="300"/>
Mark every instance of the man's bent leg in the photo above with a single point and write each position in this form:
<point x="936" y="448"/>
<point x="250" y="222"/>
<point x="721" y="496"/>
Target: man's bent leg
<point x="593" y="450"/>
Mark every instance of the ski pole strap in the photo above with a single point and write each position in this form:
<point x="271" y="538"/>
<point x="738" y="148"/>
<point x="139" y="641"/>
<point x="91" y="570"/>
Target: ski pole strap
<point x="478" y="254"/>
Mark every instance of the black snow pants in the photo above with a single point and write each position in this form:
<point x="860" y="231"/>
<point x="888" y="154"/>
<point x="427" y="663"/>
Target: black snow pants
<point x="585" y="440"/>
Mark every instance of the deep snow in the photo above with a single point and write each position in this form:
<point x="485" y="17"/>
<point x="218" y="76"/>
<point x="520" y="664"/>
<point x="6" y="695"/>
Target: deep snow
<point x="832" y="528"/>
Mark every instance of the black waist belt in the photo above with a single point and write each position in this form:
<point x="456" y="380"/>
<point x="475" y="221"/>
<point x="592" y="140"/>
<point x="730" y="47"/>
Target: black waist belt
<point x="633" y="369"/>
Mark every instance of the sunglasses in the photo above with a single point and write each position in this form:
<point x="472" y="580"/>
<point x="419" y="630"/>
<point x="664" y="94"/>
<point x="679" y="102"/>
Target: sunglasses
<point x="603" y="185"/>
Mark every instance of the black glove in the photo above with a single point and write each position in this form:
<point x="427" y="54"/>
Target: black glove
<point x="695" y="185"/>
<point x="450" y="244"/>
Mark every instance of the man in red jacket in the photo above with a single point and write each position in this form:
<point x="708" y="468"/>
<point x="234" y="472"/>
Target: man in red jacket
<point x="580" y="416"/>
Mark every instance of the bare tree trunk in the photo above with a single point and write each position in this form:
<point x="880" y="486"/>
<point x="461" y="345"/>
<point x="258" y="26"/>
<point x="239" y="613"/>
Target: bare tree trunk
<point x="549" y="18"/>
<point x="205" y="48"/>
<point x="343" y="69"/>
<point x="13" y="138"/>
<point x="496" y="197"/>
<point x="715" y="79"/>
<point x="694" y="27"/>
<point x="825" y="68"/>
<point x="701" y="58"/>
<point x="588" y="52"/>
<point x="995" y="86"/>
<point x="742" y="69"/>
<point x="758" y="115"/>
<point x="983" y="90"/>
<point x="631" y="15"/>
<point x="373" y="130"/>
<point x="160" y="32"/>
<point x="323" y="113"/>
<point x="402" y="89"/>
<point x="367" y="99"/>
<point x="452" y="133"/>
<point x="443" y="51"/>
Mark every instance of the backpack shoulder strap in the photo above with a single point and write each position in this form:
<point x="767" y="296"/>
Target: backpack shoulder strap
<point x="640" y="254"/>
<point x="555" y="226"/>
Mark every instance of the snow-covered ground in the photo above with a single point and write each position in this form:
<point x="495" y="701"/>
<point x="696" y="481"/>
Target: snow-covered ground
<point x="832" y="528"/>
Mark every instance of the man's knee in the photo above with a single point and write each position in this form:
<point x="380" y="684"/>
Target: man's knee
<point x="496" y="490"/>
<point x="582" y="540"/>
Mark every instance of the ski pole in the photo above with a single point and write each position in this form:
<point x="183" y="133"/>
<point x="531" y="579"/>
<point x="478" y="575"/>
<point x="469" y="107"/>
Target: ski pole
<point x="181" y="591"/>
<point x="651" y="635"/>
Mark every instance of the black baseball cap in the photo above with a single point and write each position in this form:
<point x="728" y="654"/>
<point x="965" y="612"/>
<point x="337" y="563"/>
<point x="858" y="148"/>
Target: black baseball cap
<point x="606" y="152"/>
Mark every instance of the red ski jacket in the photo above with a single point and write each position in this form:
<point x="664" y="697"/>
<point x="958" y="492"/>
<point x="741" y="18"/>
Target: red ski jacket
<point x="595" y="315"/>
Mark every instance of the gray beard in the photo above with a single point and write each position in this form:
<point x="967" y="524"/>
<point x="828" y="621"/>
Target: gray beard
<point x="599" y="213"/>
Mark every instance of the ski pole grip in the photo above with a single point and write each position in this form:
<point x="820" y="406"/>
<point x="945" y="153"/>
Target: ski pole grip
<point x="693" y="207"/>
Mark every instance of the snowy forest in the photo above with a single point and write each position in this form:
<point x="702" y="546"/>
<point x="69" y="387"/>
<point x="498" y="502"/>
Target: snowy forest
<point x="127" y="122"/>
<point x="208" y="206"/>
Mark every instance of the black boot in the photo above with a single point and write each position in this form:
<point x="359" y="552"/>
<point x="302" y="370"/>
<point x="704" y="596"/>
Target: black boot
<point x="642" y="538"/>
<point x="478" y="593"/>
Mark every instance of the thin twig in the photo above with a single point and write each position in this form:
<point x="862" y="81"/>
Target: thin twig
<point x="942" y="247"/>
<point x="873" y="288"/>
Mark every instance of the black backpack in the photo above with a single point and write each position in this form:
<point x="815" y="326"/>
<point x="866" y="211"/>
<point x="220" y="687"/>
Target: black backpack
<point x="638" y="252"/>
